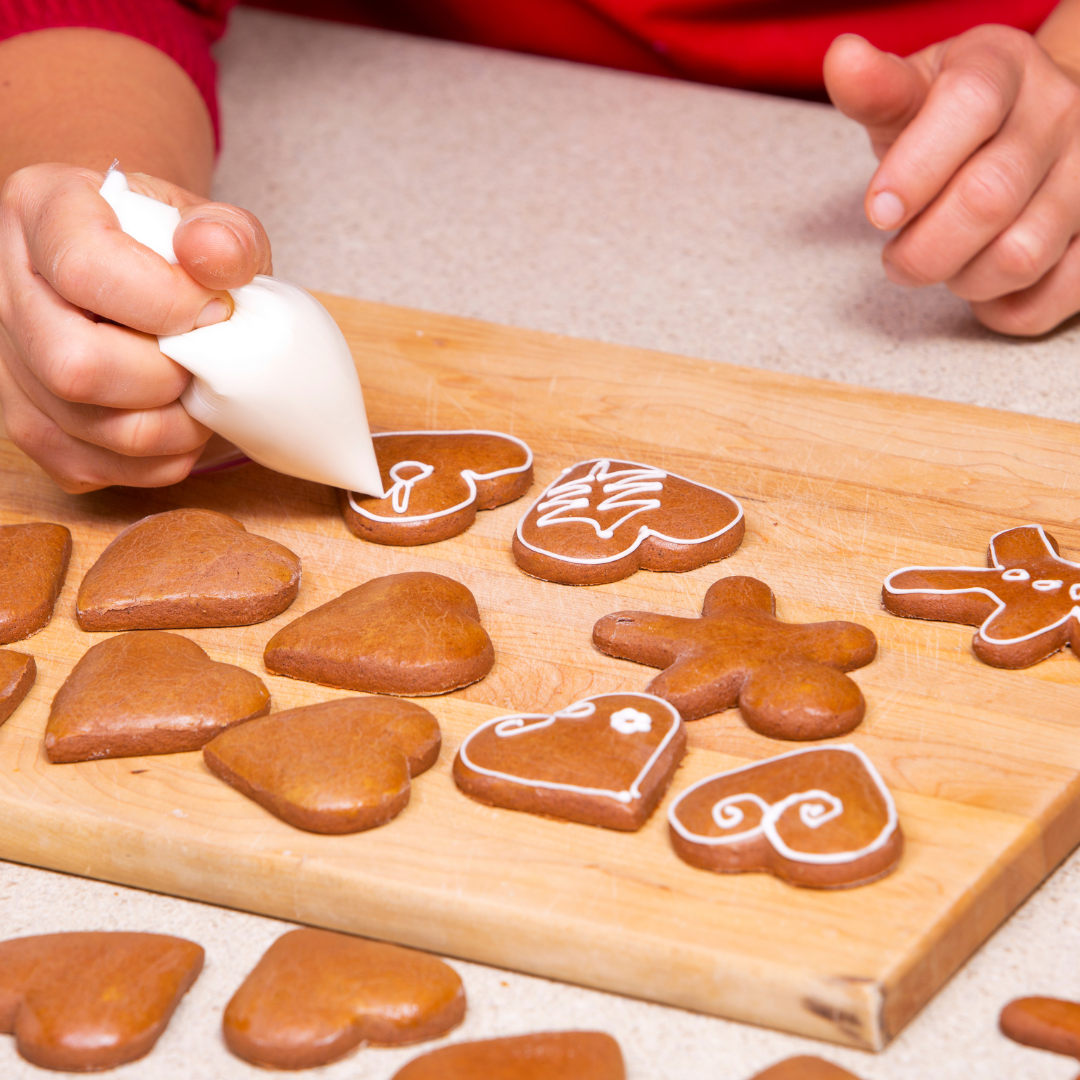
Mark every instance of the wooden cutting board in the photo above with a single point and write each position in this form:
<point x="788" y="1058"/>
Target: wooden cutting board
<point x="840" y="486"/>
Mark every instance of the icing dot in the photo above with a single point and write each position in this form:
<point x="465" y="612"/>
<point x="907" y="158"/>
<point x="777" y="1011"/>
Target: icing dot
<point x="630" y="721"/>
<point x="1047" y="584"/>
<point x="1074" y="591"/>
<point x="1015" y="574"/>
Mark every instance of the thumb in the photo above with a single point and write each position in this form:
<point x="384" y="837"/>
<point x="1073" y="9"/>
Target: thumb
<point x="221" y="246"/>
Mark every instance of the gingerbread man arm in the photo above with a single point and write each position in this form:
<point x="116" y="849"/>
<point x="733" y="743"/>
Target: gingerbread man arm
<point x="961" y="594"/>
<point x="841" y="645"/>
<point x="641" y="636"/>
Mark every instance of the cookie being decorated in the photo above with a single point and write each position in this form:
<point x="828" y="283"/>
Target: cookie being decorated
<point x="605" y="760"/>
<point x="33" y="565"/>
<point x="187" y="568"/>
<point x="435" y="482"/>
<point x="80" y="1002"/>
<point x="1025" y="602"/>
<point x="787" y="678"/>
<point x="602" y="520"/>
<point x="316" y="995"/>
<point x="409" y="634"/>
<point x="817" y="816"/>
<point x="18" y="671"/>
<point x="338" y="767"/>
<point x="1045" y="1023"/>
<point x="805" y="1067"/>
<point x="148" y="693"/>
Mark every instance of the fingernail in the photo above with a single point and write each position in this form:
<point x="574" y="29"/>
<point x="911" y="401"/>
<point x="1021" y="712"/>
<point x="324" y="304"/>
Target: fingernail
<point x="886" y="210"/>
<point x="214" y="312"/>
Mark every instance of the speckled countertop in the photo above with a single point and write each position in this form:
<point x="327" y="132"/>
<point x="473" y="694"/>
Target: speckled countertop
<point x="627" y="209"/>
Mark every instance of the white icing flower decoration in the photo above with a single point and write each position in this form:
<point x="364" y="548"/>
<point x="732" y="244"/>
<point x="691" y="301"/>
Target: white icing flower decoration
<point x="629" y="721"/>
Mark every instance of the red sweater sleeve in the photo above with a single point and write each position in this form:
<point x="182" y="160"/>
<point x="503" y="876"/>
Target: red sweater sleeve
<point x="182" y="29"/>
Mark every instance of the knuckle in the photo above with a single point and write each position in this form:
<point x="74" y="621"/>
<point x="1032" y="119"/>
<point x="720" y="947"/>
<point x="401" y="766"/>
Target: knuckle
<point x="991" y="190"/>
<point x="70" y="371"/>
<point x="1022" y="255"/>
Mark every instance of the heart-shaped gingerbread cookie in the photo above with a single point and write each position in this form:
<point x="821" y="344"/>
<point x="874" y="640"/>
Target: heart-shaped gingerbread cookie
<point x="338" y="767"/>
<point x="186" y="569"/>
<point x="601" y="520"/>
<point x="148" y="693"/>
<point x="18" y="671"/>
<point x="435" y="482"/>
<point x="409" y="634"/>
<point x="820" y="817"/>
<point x="80" y="1002"/>
<point x="605" y="760"/>
<point x="33" y="564"/>
<point x="316" y="995"/>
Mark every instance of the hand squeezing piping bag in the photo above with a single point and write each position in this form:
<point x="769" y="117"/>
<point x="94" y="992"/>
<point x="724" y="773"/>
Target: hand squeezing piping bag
<point x="277" y="378"/>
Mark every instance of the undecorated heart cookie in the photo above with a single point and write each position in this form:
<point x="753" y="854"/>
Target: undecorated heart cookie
<point x="85" y="1001"/>
<point x="819" y="816"/>
<point x="316" y="995"/>
<point x="601" y="520"/>
<point x="338" y="767"/>
<point x="186" y="569"/>
<point x="17" y="674"/>
<point x="1046" y="1023"/>
<point x="787" y="678"/>
<point x="435" y="482"/>
<point x="805" y="1067"/>
<point x="549" y="1055"/>
<point x="605" y="760"/>
<point x="33" y="564"/>
<point x="409" y="634"/>
<point x="148" y="693"/>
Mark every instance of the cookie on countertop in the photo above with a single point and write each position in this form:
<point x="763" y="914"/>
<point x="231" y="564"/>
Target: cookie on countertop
<point x="787" y="678"/>
<point x="337" y="767"/>
<point x="549" y="1055"/>
<point x="316" y="995"/>
<point x="33" y="565"/>
<point x="413" y="634"/>
<point x="805" y="1067"/>
<point x="601" y="520"/>
<point x="186" y="569"/>
<point x="435" y="482"/>
<point x="1046" y="1023"/>
<point x="18" y="670"/>
<point x="1025" y="602"/>
<point x="148" y="693"/>
<point x="605" y="760"/>
<point x="85" y="1001"/>
<point x="817" y="816"/>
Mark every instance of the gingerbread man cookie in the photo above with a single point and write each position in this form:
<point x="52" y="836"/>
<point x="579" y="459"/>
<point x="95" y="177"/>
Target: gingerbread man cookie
<point x="601" y="520"/>
<point x="33" y="564"/>
<point x="787" y="678"/>
<point x="1026" y="601"/>
<point x="817" y="816"/>
<point x="605" y="760"/>
<point x="435" y="482"/>
<point x="1046" y="1023"/>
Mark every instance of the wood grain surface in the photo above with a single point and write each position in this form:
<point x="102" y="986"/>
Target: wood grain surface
<point x="840" y="486"/>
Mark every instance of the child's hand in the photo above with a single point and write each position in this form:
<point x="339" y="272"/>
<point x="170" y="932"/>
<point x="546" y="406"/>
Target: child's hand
<point x="979" y="142"/>
<point x="93" y="402"/>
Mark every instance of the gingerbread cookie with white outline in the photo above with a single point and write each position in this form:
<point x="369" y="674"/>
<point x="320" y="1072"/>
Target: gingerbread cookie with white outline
<point x="1025" y="602"/>
<point x="602" y="520"/>
<point x="604" y="760"/>
<point x="818" y="816"/>
<point x="435" y="482"/>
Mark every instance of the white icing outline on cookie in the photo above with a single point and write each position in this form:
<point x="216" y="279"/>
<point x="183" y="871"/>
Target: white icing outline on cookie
<point x="517" y="724"/>
<point x="643" y="533"/>
<point x="467" y="475"/>
<point x="772" y="812"/>
<point x="1043" y="585"/>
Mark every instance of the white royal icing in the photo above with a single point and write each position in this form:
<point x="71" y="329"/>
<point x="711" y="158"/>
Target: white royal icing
<point x="623" y="484"/>
<point x="816" y="808"/>
<point x="519" y="724"/>
<point x="399" y="493"/>
<point x="1043" y="585"/>
<point x="628" y="721"/>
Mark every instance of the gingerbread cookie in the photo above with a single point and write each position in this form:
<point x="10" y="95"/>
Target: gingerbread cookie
<point x="551" y="1055"/>
<point x="148" y="693"/>
<point x="805" y="1067"/>
<point x="819" y="816"/>
<point x="410" y="634"/>
<point x="17" y="674"/>
<point x="1046" y="1023"/>
<point x="435" y="482"/>
<point x="605" y="760"/>
<point x="187" y="568"/>
<point x="33" y="564"/>
<point x="81" y="1002"/>
<point x="601" y="520"/>
<point x="338" y="767"/>
<point x="786" y="678"/>
<point x="1026" y="602"/>
<point x="316" y="995"/>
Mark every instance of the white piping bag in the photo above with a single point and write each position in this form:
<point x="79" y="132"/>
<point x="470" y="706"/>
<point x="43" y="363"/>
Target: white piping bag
<point x="277" y="378"/>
